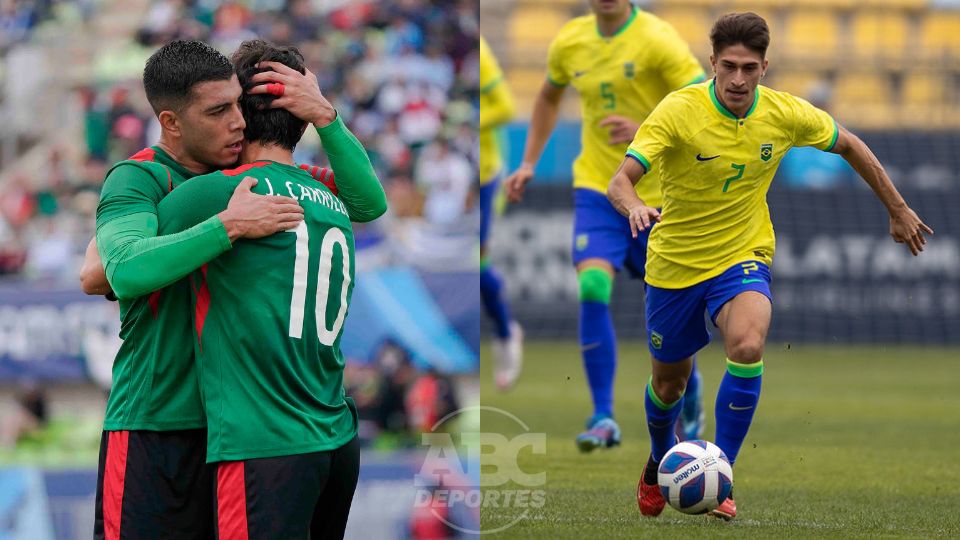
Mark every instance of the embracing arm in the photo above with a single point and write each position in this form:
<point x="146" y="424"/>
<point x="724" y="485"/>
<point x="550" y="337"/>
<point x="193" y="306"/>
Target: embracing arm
<point x="93" y="280"/>
<point x="137" y="261"/>
<point x="905" y="226"/>
<point x="357" y="183"/>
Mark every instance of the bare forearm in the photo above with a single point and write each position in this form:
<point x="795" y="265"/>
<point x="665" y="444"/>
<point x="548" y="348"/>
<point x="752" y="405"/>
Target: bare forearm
<point x="622" y="191"/>
<point x="93" y="278"/>
<point x="859" y="156"/>
<point x="622" y="194"/>
<point x="546" y="110"/>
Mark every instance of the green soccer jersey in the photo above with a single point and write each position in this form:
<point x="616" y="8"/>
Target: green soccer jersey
<point x="155" y="385"/>
<point x="268" y="318"/>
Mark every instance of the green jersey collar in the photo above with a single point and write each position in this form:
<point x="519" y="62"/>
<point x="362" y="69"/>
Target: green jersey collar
<point x="164" y="159"/>
<point x="633" y="15"/>
<point x="723" y="110"/>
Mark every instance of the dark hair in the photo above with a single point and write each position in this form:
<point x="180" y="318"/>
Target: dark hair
<point x="264" y="124"/>
<point x="748" y="29"/>
<point x="172" y="72"/>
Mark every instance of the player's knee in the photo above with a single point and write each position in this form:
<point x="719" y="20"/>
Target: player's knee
<point x="746" y="349"/>
<point x="596" y="285"/>
<point x="669" y="389"/>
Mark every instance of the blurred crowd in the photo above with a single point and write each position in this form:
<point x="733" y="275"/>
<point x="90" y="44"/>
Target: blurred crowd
<point x="396" y="401"/>
<point x="403" y="75"/>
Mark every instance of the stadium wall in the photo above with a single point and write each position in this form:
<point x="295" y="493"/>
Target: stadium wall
<point x="837" y="274"/>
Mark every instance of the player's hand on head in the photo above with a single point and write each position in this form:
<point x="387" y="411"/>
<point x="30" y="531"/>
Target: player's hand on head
<point x="641" y="218"/>
<point x="299" y="94"/>
<point x="249" y="215"/>
<point x="516" y="183"/>
<point x="907" y="228"/>
<point x="622" y="129"/>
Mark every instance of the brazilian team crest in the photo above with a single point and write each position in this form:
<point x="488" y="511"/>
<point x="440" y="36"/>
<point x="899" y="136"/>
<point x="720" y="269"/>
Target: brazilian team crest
<point x="766" y="151"/>
<point x="581" y="241"/>
<point x="628" y="70"/>
<point x="656" y="340"/>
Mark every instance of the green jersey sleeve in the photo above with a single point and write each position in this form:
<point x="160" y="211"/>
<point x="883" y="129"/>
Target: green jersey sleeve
<point x="195" y="201"/>
<point x="135" y="260"/>
<point x="130" y="188"/>
<point x="357" y="182"/>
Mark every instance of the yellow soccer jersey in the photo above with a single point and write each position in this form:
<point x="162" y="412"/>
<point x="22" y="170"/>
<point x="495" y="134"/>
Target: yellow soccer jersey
<point x="715" y="170"/>
<point x="490" y="78"/>
<point x="626" y="74"/>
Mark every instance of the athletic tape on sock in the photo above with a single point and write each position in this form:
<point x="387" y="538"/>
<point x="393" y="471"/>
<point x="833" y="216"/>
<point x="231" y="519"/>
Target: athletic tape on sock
<point x="596" y="285"/>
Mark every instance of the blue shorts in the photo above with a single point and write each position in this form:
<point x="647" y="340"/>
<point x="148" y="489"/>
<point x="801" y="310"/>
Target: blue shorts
<point x="675" y="325"/>
<point x="600" y="232"/>
<point x="488" y="192"/>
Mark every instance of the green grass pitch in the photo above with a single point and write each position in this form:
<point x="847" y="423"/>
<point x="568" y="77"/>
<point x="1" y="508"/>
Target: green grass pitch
<point x="846" y="443"/>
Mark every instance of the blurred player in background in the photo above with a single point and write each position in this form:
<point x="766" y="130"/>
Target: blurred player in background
<point x="622" y="62"/>
<point x="717" y="146"/>
<point x="152" y="410"/>
<point x="268" y="316"/>
<point x="496" y="108"/>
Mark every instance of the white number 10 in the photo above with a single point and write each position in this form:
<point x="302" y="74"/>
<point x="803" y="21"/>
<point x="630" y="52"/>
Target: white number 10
<point x="298" y="300"/>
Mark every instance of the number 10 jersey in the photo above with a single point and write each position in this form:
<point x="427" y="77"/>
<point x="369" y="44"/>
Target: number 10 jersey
<point x="268" y="316"/>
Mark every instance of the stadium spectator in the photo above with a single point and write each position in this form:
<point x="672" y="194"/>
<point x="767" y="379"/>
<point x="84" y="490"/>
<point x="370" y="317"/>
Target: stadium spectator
<point x="446" y="177"/>
<point x="401" y="74"/>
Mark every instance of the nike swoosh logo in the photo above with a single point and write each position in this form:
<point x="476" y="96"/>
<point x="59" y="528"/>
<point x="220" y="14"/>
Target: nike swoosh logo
<point x="745" y="281"/>
<point x="701" y="158"/>
<point x="734" y="408"/>
<point x="578" y="74"/>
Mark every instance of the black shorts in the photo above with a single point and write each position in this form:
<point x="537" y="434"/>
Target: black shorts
<point x="304" y="496"/>
<point x="154" y="484"/>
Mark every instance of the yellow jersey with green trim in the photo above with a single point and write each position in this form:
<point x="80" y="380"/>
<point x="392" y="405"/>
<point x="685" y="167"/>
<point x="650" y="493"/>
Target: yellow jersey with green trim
<point x="490" y="77"/>
<point x="626" y="74"/>
<point x="715" y="170"/>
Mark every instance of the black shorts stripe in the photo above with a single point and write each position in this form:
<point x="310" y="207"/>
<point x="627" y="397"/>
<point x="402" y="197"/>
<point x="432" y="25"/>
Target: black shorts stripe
<point x="159" y="488"/>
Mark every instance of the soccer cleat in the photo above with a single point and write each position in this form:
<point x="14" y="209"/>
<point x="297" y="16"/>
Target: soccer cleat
<point x="509" y="357"/>
<point x="727" y="509"/>
<point x="649" y="497"/>
<point x="692" y="418"/>
<point x="602" y="432"/>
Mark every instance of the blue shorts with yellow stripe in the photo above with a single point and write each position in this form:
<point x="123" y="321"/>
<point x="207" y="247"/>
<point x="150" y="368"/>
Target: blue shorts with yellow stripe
<point x="600" y="232"/>
<point x="675" y="325"/>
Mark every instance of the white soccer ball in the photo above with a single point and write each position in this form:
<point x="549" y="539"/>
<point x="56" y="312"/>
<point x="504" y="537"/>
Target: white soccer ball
<point x="695" y="477"/>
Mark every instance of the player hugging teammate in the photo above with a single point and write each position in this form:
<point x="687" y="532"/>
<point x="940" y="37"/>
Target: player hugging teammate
<point x="227" y="416"/>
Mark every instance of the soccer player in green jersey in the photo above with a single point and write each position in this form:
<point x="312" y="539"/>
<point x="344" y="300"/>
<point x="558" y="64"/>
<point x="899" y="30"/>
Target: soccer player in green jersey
<point x="622" y="61"/>
<point x="152" y="477"/>
<point x="717" y="146"/>
<point x="268" y="316"/>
